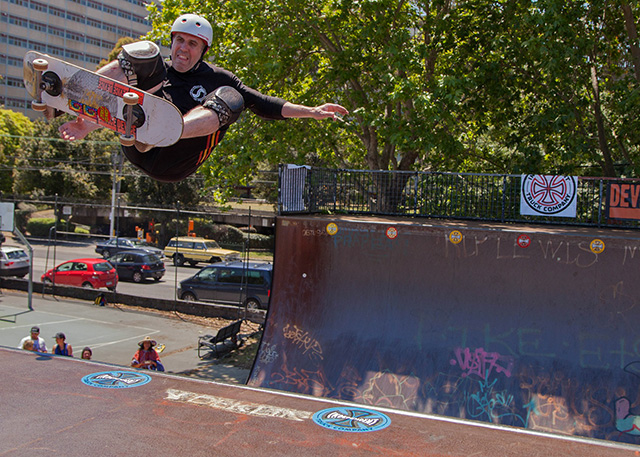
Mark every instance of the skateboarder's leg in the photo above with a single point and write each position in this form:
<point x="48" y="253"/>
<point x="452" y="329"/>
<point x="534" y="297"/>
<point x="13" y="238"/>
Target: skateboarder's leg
<point x="142" y="66"/>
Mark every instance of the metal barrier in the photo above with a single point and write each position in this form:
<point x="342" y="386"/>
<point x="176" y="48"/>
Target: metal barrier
<point x="471" y="196"/>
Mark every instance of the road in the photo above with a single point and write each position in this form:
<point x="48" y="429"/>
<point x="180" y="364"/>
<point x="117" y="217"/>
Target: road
<point x="45" y="257"/>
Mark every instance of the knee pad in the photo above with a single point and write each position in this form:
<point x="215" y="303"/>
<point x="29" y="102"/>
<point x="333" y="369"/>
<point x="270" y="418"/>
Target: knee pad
<point x="227" y="103"/>
<point x="142" y="64"/>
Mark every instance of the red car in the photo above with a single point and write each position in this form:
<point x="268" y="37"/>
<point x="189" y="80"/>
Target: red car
<point x="89" y="273"/>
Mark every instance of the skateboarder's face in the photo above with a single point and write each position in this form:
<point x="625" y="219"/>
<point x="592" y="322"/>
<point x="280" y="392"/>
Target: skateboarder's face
<point x="185" y="51"/>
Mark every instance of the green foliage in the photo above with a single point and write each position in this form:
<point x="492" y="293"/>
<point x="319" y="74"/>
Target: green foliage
<point x="40" y="226"/>
<point x="46" y="165"/>
<point x="13" y="126"/>
<point x="506" y="86"/>
<point x="471" y="86"/>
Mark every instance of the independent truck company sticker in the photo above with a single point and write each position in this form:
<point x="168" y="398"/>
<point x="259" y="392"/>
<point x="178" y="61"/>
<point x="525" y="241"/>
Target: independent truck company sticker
<point x="351" y="419"/>
<point x="544" y="195"/>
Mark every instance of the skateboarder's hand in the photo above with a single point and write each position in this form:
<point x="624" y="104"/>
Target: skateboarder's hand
<point x="329" y="110"/>
<point x="77" y="129"/>
<point x="326" y="111"/>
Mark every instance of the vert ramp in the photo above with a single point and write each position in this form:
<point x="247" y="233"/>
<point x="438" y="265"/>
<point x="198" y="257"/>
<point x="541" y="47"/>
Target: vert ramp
<point x="527" y="327"/>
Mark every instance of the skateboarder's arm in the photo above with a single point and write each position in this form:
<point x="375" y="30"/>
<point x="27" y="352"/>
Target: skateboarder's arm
<point x="328" y="110"/>
<point x="200" y="121"/>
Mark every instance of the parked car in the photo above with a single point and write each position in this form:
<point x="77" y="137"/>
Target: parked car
<point x="89" y="273"/>
<point x="116" y="245"/>
<point x="13" y="261"/>
<point x="193" y="250"/>
<point x="137" y="266"/>
<point x="236" y="283"/>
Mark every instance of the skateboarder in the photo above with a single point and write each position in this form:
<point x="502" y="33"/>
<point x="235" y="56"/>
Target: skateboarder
<point x="209" y="97"/>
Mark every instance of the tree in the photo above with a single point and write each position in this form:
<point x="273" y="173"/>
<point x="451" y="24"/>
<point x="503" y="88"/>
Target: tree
<point x="13" y="126"/>
<point x="541" y="86"/>
<point x="46" y="165"/>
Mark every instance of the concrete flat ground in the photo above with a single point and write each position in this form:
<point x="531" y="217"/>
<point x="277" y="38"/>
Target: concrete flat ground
<point x="61" y="406"/>
<point x="112" y="333"/>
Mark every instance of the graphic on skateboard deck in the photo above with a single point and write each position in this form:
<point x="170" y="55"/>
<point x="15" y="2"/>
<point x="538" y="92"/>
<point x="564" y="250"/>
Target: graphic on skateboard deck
<point x="135" y="114"/>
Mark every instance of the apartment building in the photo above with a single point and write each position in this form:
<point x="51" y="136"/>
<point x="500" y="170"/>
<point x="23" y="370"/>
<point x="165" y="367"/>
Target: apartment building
<point x="82" y="32"/>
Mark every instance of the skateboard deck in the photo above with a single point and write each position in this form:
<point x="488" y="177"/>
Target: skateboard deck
<point x="104" y="101"/>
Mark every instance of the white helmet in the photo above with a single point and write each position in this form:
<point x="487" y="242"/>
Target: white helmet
<point x="193" y="25"/>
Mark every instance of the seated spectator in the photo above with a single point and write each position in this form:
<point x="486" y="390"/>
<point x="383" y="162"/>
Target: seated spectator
<point x="146" y="357"/>
<point x="28" y="345"/>
<point x="100" y="300"/>
<point x="38" y="342"/>
<point x="61" y="347"/>
<point x="87" y="353"/>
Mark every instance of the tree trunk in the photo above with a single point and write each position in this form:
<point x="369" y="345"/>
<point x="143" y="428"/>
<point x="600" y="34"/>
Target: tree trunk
<point x="608" y="168"/>
<point x="632" y="32"/>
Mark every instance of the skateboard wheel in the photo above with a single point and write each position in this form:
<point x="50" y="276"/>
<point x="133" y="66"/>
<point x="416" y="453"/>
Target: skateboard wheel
<point x="127" y="140"/>
<point x="40" y="65"/>
<point x="38" y="106"/>
<point x="130" y="98"/>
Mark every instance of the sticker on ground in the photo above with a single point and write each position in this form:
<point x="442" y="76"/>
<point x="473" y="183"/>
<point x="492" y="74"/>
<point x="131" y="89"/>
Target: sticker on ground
<point x="236" y="406"/>
<point x="116" y="379"/>
<point x="351" y="419"/>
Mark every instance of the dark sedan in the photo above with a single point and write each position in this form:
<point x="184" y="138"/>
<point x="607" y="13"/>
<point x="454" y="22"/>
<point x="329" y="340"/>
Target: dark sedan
<point x="137" y="266"/>
<point x="116" y="245"/>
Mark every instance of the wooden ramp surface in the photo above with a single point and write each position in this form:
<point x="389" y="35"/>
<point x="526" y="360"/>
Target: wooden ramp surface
<point x="52" y="406"/>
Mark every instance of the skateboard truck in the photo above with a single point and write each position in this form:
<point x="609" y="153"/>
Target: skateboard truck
<point x="40" y="66"/>
<point x="46" y="81"/>
<point x="130" y="100"/>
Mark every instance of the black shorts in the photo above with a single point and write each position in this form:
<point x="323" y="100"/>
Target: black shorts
<point x="176" y="162"/>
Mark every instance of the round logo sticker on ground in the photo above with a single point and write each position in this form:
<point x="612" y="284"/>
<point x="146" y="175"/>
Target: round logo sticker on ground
<point x="597" y="246"/>
<point x="524" y="241"/>
<point x="332" y="228"/>
<point x="351" y="419"/>
<point x="455" y="237"/>
<point x="116" y="379"/>
<point x="392" y="233"/>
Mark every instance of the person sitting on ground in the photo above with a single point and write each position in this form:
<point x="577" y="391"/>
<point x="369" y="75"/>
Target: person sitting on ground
<point x="100" y="300"/>
<point x="61" y="347"/>
<point x="146" y="357"/>
<point x="210" y="99"/>
<point x="87" y="353"/>
<point x="38" y="342"/>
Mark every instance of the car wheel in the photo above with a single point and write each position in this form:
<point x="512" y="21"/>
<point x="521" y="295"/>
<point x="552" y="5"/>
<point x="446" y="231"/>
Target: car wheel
<point x="137" y="276"/>
<point x="178" y="260"/>
<point x="87" y="285"/>
<point x="105" y="254"/>
<point x="188" y="296"/>
<point x="252" y="304"/>
<point x="47" y="281"/>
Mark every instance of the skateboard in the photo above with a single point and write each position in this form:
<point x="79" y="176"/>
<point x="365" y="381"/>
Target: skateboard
<point x="134" y="114"/>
